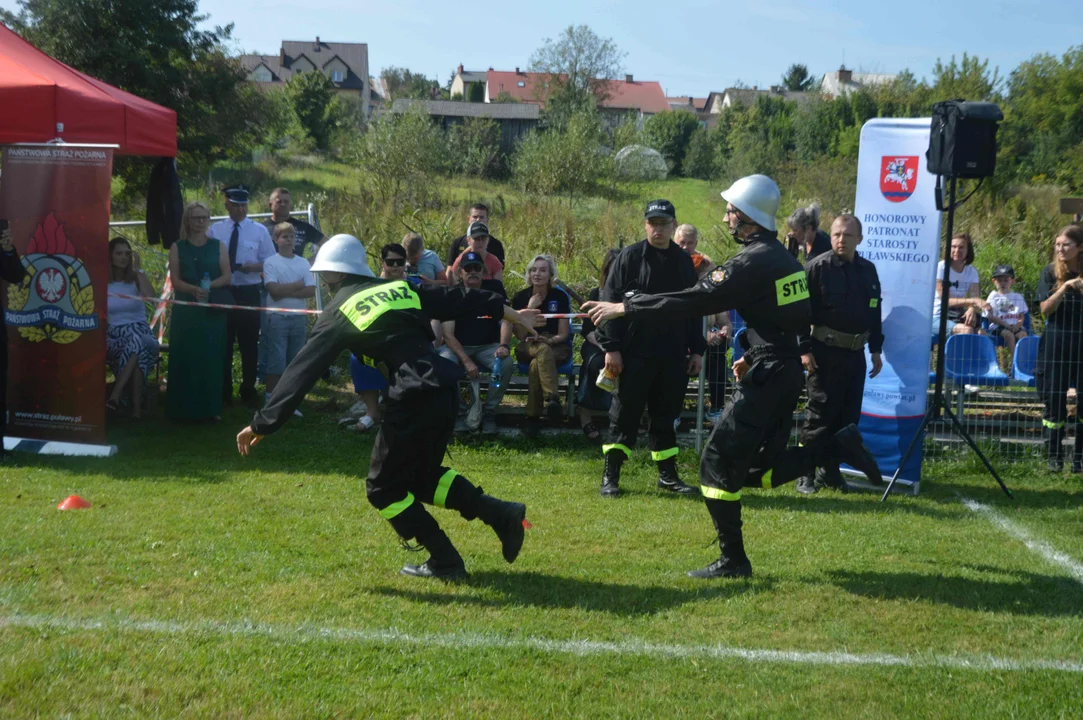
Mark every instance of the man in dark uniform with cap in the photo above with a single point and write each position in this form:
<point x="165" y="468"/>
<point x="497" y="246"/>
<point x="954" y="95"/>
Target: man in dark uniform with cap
<point x="388" y="321"/>
<point x="248" y="244"/>
<point x="767" y="286"/>
<point x="844" y="290"/>
<point x="653" y="357"/>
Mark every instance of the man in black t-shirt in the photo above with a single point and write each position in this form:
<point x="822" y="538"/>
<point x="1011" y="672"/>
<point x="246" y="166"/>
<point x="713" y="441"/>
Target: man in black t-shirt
<point x="479" y="212"/>
<point x="281" y="205"/>
<point x="477" y="343"/>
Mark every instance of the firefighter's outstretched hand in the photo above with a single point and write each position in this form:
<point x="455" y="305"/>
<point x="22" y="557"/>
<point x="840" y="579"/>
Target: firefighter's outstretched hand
<point x="877" y="365"/>
<point x="740" y="368"/>
<point x="524" y="318"/>
<point x="246" y="440"/>
<point x="601" y="311"/>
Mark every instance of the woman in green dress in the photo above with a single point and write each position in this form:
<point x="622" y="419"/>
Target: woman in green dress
<point x="197" y="336"/>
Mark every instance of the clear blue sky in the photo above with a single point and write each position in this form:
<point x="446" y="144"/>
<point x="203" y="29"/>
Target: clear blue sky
<point x="690" y="46"/>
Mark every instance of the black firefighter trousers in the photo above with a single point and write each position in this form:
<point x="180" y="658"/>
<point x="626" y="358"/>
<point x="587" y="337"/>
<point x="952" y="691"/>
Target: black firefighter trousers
<point x="406" y="467"/>
<point x="835" y="391"/>
<point x="654" y="383"/>
<point x="748" y="446"/>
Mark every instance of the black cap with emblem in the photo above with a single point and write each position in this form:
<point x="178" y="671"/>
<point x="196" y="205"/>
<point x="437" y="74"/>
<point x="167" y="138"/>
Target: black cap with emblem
<point x="660" y="209"/>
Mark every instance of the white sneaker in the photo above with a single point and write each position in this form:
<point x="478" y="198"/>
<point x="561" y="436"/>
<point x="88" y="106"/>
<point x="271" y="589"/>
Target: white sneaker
<point x="297" y="413"/>
<point x="358" y="409"/>
<point x="364" y="424"/>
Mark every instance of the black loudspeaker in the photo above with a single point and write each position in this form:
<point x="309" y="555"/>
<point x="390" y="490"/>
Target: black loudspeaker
<point x="963" y="141"/>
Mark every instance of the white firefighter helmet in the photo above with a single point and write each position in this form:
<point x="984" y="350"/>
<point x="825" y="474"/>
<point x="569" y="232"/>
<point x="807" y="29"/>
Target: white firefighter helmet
<point x="757" y="197"/>
<point x="344" y="254"/>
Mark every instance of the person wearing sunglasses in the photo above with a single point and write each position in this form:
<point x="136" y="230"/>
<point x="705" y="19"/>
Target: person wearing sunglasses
<point x="393" y="258"/>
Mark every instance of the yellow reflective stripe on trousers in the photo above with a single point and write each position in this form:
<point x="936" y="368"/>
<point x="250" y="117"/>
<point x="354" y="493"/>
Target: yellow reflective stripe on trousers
<point x="791" y="288"/>
<point x="616" y="446"/>
<point x="394" y="509"/>
<point x="363" y="308"/>
<point x="719" y="494"/>
<point x="767" y="479"/>
<point x="1052" y="425"/>
<point x="442" y="487"/>
<point x="660" y="455"/>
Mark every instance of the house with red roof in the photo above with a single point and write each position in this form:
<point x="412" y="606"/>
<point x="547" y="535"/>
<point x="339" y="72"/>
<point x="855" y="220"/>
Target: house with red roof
<point x="644" y="97"/>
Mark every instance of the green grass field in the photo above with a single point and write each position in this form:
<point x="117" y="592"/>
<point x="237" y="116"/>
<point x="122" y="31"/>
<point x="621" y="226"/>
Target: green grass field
<point x="202" y="584"/>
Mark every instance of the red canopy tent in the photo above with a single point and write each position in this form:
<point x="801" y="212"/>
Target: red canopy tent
<point x="42" y="99"/>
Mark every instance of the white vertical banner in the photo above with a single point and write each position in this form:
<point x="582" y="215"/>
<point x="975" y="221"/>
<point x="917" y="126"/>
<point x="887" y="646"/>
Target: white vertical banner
<point x="897" y="206"/>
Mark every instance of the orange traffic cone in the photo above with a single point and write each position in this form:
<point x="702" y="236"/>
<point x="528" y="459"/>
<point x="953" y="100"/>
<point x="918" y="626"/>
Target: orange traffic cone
<point x="73" y="502"/>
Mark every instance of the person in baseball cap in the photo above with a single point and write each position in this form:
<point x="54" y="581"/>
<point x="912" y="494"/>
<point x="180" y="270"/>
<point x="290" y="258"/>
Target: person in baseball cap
<point x="478" y="237"/>
<point x="660" y="209"/>
<point x="1007" y="314"/>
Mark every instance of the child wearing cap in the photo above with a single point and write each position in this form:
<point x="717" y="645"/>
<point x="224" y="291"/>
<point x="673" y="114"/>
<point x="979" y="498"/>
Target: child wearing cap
<point x="1007" y="310"/>
<point x="479" y="242"/>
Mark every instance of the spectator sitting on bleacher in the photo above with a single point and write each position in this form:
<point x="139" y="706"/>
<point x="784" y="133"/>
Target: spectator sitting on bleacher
<point x="422" y="264"/>
<point x="479" y="244"/>
<point x="1007" y="309"/>
<point x="551" y="348"/>
<point x="479" y="212"/>
<point x="588" y="396"/>
<point x="130" y="347"/>
<point x="965" y="305"/>
<point x="476" y="343"/>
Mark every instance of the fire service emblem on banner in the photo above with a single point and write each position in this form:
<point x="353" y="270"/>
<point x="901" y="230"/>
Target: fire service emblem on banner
<point x="56" y="299"/>
<point x="898" y="177"/>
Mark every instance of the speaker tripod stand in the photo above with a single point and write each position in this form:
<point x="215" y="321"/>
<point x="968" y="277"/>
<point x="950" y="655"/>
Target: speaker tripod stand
<point x="939" y="403"/>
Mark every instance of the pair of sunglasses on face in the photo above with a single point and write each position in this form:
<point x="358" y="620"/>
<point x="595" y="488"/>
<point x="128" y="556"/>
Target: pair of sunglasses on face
<point x="394" y="262"/>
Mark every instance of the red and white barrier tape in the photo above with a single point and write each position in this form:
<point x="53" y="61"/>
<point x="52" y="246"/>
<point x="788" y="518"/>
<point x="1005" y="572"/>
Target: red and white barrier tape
<point x="216" y="306"/>
<point x="219" y="306"/>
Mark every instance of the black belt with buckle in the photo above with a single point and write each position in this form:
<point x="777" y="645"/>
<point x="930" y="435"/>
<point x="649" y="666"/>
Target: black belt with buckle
<point x="836" y="338"/>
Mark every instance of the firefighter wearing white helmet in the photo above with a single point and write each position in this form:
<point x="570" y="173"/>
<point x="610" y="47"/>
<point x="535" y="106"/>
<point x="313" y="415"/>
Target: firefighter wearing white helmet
<point x="767" y="286"/>
<point x="389" y="321"/>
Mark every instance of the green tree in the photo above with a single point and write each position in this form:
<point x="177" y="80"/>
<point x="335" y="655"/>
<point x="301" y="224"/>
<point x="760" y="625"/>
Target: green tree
<point x="400" y="155"/>
<point x="797" y="79"/>
<point x="669" y="133"/>
<point x="312" y="99"/>
<point x="474" y="148"/>
<point x="700" y="160"/>
<point x="970" y="80"/>
<point x="155" y="49"/>
<point x="578" y="61"/>
<point x="1042" y="134"/>
<point x="570" y="163"/>
<point x="402" y="83"/>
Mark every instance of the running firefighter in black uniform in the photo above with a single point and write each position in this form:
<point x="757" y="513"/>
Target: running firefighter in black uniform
<point x="767" y="286"/>
<point x="388" y="321"/>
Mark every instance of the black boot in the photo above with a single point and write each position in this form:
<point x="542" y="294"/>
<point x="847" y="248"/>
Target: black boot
<point x="852" y="451"/>
<point x="830" y="477"/>
<point x="1055" y="450"/>
<point x="732" y="561"/>
<point x="669" y="480"/>
<point x="444" y="561"/>
<point x="611" y="477"/>
<point x="506" y="518"/>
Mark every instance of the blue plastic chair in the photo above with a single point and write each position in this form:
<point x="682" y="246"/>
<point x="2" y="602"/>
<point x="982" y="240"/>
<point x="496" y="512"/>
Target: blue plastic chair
<point x="1025" y="359"/>
<point x="738" y="322"/>
<point x="738" y="351"/>
<point x="972" y="360"/>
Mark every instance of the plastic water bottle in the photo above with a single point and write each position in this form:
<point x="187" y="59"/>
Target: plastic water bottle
<point x="496" y="378"/>
<point x="606" y="382"/>
<point x="205" y="284"/>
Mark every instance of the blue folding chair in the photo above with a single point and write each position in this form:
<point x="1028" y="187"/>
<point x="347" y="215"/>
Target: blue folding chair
<point x="738" y="351"/>
<point x="972" y="360"/>
<point x="1025" y="359"/>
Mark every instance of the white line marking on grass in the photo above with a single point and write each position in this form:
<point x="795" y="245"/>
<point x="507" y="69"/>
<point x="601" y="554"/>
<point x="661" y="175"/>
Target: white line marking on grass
<point x="474" y="641"/>
<point x="1033" y="544"/>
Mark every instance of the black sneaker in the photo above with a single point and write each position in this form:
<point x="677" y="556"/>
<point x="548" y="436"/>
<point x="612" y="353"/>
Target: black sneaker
<point x="806" y="485"/>
<point x="723" y="567"/>
<point x="1054" y="465"/>
<point x="427" y="569"/>
<point x="532" y="427"/>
